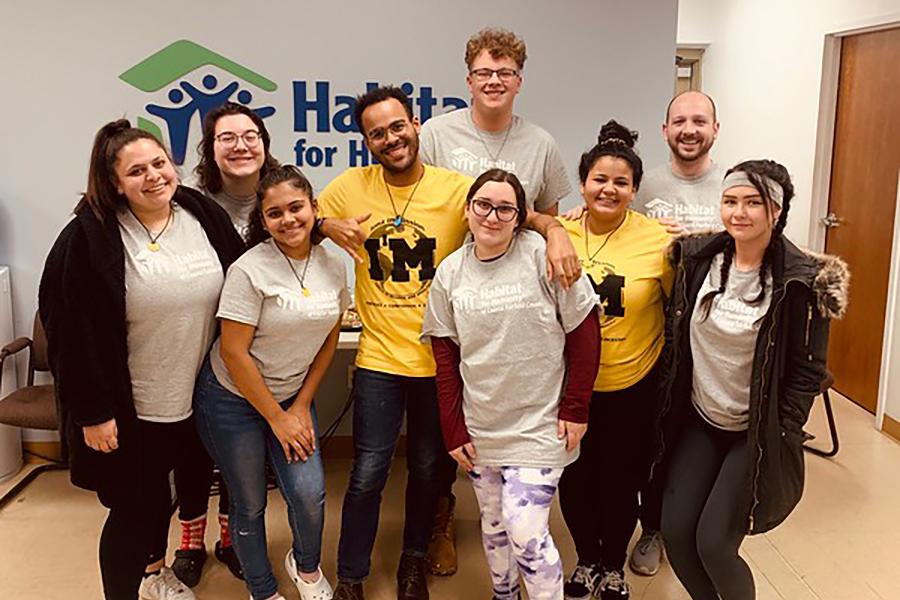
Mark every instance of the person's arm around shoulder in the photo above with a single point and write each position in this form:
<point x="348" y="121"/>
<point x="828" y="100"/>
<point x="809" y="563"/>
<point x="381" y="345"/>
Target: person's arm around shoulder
<point x="562" y="259"/>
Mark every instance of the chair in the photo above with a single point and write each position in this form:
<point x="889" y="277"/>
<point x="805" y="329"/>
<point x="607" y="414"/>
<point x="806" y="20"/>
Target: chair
<point x="829" y="414"/>
<point x="31" y="406"/>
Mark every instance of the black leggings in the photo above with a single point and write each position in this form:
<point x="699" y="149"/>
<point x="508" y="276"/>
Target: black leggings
<point x="704" y="512"/>
<point x="598" y="493"/>
<point x="137" y="528"/>
<point x="193" y="480"/>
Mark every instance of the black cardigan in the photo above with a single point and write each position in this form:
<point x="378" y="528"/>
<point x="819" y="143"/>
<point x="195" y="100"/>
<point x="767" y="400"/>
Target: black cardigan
<point x="81" y="301"/>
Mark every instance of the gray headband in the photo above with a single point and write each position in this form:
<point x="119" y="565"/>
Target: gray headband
<point x="740" y="178"/>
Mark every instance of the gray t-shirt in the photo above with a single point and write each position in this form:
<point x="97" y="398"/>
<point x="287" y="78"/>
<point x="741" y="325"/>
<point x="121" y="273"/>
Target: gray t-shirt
<point x="510" y="324"/>
<point x="452" y="141"/>
<point x="260" y="290"/>
<point x="170" y="307"/>
<point x="693" y="202"/>
<point x="723" y="345"/>
<point x="238" y="210"/>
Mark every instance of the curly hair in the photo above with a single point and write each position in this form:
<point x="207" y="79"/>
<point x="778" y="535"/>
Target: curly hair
<point x="500" y="43"/>
<point x="209" y="177"/>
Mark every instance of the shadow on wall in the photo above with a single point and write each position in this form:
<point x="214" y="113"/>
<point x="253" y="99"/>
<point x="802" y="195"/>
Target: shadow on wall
<point x="5" y="233"/>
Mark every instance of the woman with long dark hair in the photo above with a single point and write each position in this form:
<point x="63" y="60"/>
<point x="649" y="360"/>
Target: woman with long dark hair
<point x="747" y="333"/>
<point x="128" y="299"/>
<point x="280" y="311"/>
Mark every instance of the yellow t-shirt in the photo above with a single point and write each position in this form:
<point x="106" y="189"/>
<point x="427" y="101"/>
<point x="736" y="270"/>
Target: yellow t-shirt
<point x="632" y="277"/>
<point x="399" y="262"/>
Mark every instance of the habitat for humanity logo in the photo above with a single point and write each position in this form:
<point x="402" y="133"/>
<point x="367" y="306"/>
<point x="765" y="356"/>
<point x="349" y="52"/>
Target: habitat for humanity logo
<point x="174" y="62"/>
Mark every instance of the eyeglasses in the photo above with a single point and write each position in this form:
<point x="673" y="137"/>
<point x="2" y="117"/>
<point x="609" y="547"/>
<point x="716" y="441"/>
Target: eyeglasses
<point x="229" y="138"/>
<point x="504" y="75"/>
<point x="380" y="134"/>
<point x="505" y="212"/>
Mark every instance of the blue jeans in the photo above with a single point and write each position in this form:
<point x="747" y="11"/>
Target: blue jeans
<point x="240" y="441"/>
<point x="380" y="400"/>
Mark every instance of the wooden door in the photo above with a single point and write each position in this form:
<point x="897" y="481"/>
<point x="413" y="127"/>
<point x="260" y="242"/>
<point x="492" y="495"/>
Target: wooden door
<point x="863" y="197"/>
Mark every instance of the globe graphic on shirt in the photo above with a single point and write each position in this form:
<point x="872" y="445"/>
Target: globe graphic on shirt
<point x="412" y="233"/>
<point x="598" y="270"/>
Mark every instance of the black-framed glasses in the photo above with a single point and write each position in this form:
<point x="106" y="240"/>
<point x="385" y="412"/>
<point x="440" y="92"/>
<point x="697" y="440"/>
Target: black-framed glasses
<point x="505" y="212"/>
<point x="379" y="134"/>
<point x="504" y="75"/>
<point x="250" y="137"/>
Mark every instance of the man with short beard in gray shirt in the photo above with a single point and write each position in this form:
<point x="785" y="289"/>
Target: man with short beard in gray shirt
<point x="684" y="193"/>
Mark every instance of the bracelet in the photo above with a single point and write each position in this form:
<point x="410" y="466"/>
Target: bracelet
<point x="318" y="224"/>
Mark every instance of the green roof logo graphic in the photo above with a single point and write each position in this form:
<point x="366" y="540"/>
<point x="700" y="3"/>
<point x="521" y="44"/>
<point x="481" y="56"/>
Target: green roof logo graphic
<point x="171" y="64"/>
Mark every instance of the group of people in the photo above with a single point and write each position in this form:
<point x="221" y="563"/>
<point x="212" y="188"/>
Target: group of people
<point x="649" y="370"/>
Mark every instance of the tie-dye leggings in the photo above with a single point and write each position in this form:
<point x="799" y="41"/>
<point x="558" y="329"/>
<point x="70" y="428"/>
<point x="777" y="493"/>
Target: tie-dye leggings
<point x="515" y="529"/>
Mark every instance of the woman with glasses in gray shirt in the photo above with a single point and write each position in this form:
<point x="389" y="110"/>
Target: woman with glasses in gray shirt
<point x="516" y="356"/>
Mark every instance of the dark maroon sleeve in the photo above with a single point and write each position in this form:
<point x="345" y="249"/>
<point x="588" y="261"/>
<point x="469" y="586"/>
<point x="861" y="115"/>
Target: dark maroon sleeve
<point x="450" y="392"/>
<point x="582" y="363"/>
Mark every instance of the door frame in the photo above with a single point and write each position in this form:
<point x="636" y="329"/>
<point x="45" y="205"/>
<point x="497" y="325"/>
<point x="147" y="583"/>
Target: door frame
<point x="821" y="184"/>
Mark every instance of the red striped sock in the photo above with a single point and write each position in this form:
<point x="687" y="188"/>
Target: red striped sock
<point x="192" y="533"/>
<point x="224" y="535"/>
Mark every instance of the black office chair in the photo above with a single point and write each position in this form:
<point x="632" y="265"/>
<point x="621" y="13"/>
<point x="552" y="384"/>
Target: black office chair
<point x="824" y="387"/>
<point x="31" y="406"/>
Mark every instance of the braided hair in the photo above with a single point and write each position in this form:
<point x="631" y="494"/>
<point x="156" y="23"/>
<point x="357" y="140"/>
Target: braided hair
<point x="617" y="141"/>
<point x="757" y="171"/>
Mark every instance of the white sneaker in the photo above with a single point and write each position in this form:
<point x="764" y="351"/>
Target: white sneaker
<point x="320" y="590"/>
<point x="164" y="586"/>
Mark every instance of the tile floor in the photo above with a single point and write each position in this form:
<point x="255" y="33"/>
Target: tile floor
<point x="842" y="542"/>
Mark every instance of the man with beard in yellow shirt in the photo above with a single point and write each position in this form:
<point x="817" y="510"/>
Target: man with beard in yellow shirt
<point x="399" y="219"/>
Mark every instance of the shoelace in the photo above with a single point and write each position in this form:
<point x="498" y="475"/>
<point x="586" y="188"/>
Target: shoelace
<point x="171" y="581"/>
<point x="415" y="574"/>
<point x="614" y="580"/>
<point x="583" y="574"/>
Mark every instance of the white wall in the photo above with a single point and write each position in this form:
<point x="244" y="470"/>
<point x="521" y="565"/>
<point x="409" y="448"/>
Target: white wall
<point x="61" y="62"/>
<point x="763" y="67"/>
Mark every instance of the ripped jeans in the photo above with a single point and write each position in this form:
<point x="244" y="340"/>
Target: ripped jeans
<point x="240" y="441"/>
<point x="515" y="529"/>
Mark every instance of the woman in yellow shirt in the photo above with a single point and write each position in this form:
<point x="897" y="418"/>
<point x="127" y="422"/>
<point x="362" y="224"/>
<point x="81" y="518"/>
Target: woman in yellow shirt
<point x="623" y="253"/>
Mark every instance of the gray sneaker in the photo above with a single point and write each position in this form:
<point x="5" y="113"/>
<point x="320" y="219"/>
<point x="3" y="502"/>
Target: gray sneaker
<point x="647" y="554"/>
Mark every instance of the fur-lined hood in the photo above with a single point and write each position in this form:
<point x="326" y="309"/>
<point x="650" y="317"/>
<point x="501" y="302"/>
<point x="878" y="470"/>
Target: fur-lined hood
<point x="826" y="275"/>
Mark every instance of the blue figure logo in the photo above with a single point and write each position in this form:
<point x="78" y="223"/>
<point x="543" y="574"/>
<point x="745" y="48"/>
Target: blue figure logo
<point x="178" y="118"/>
